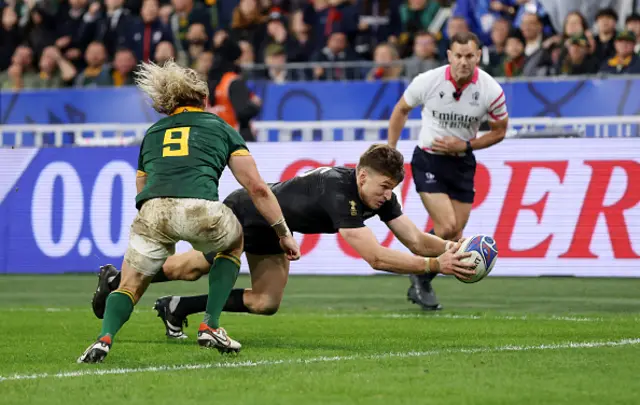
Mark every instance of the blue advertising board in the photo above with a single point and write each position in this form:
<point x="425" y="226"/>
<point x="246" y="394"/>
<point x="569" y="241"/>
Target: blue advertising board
<point x="310" y="101"/>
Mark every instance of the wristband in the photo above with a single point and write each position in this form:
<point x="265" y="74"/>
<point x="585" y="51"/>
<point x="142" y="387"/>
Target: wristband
<point x="469" y="148"/>
<point x="281" y="228"/>
<point x="429" y="268"/>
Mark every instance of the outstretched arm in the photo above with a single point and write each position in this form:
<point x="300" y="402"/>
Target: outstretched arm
<point x="418" y="242"/>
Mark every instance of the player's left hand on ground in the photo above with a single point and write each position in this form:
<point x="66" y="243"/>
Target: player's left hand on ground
<point x="290" y="247"/>
<point x="449" y="144"/>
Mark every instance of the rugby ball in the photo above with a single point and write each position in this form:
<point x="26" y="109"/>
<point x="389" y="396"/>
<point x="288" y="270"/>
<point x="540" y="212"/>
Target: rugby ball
<point x="484" y="254"/>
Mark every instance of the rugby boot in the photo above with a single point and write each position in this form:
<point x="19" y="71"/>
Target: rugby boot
<point x="172" y="323"/>
<point x="97" y="351"/>
<point x="217" y="338"/>
<point x="106" y="275"/>
<point x="421" y="293"/>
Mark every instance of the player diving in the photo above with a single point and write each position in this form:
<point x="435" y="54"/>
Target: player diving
<point x="325" y="200"/>
<point x="181" y="159"/>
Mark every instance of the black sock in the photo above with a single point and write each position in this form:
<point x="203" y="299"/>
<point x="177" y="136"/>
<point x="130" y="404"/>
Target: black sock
<point x="191" y="305"/>
<point x="160" y="277"/>
<point x="235" y="302"/>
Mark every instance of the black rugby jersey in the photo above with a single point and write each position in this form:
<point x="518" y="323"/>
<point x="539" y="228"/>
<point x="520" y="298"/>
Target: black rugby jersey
<point x="322" y="200"/>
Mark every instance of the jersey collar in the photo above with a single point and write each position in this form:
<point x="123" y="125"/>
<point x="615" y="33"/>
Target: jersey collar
<point x="448" y="76"/>
<point x="186" y="109"/>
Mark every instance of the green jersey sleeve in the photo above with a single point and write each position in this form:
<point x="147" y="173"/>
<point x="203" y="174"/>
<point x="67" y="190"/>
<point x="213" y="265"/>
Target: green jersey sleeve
<point x="141" y="171"/>
<point x="237" y="145"/>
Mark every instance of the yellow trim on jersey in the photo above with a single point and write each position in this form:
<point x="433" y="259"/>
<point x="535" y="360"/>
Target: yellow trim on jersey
<point x="234" y="259"/>
<point x="140" y="173"/>
<point x="240" y="152"/>
<point x="186" y="109"/>
<point x="127" y="293"/>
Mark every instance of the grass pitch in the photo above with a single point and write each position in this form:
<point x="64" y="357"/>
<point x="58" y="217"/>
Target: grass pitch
<point x="336" y="340"/>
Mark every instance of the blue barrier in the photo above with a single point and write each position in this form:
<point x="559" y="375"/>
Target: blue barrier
<point x="323" y="101"/>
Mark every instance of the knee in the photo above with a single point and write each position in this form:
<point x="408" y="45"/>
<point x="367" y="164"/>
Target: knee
<point x="448" y="230"/>
<point x="265" y="305"/>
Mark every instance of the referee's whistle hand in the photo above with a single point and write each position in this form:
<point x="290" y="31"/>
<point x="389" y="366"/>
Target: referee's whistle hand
<point x="449" y="144"/>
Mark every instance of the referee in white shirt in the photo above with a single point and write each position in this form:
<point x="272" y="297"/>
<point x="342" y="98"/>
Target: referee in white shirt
<point x="455" y="99"/>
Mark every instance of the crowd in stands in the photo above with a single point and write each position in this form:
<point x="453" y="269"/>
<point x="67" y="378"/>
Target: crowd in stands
<point x="82" y="43"/>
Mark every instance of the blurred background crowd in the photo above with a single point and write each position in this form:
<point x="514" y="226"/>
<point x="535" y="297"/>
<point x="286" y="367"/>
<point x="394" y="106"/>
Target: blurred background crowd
<point x="81" y="43"/>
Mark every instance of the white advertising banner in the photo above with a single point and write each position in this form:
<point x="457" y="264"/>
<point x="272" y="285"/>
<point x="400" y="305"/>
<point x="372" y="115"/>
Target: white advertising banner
<point x="554" y="206"/>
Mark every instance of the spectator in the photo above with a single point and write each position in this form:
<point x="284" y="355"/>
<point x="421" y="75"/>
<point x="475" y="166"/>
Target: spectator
<point x="147" y="31"/>
<point x="204" y="63"/>
<point x="97" y="72"/>
<point x="505" y="9"/>
<point x="55" y="70"/>
<point x="379" y="22"/>
<point x="480" y="15"/>
<point x="455" y="25"/>
<point x="164" y="52"/>
<point x="531" y="29"/>
<point x="109" y="27"/>
<point x="247" y="23"/>
<point x="606" y="21"/>
<point x="534" y="7"/>
<point x="328" y="16"/>
<point x="40" y="28"/>
<point x="625" y="61"/>
<point x="515" y="58"/>
<point x="302" y="44"/>
<point x="276" y="33"/>
<point x="633" y="24"/>
<point x="247" y="61"/>
<point x="124" y="63"/>
<point x="493" y="55"/>
<point x="577" y="60"/>
<point x="415" y="16"/>
<point x="230" y="97"/>
<point x="337" y="50"/>
<point x="425" y="55"/>
<point x="275" y="58"/>
<point x="21" y="74"/>
<point x="69" y="30"/>
<point x="187" y="13"/>
<point x="387" y="66"/>
<point x="198" y="42"/>
<point x="9" y="36"/>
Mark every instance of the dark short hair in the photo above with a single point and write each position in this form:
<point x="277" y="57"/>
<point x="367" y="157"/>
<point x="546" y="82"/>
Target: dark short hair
<point x="385" y="160"/>
<point x="607" y="12"/>
<point x="632" y="17"/>
<point x="463" y="38"/>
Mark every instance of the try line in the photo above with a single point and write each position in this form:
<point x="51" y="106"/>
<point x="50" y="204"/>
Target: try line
<point x="312" y="360"/>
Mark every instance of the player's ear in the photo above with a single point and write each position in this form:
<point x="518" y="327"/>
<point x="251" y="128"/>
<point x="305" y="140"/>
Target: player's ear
<point x="449" y="55"/>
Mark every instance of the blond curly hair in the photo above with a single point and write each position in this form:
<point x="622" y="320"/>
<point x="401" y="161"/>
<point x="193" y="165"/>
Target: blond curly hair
<point x="171" y="86"/>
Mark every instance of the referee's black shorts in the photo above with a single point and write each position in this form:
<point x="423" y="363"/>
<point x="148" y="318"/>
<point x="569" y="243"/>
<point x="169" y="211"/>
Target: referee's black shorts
<point x="451" y="175"/>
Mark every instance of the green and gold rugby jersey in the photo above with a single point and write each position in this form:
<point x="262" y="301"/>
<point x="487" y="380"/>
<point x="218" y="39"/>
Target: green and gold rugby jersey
<point x="183" y="155"/>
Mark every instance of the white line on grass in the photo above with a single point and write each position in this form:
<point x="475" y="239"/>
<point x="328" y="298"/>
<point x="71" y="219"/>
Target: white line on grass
<point x="374" y="315"/>
<point x="471" y="317"/>
<point x="323" y="359"/>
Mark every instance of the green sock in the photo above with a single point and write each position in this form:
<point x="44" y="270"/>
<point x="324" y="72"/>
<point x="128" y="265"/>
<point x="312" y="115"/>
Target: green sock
<point x="118" y="310"/>
<point x="222" y="277"/>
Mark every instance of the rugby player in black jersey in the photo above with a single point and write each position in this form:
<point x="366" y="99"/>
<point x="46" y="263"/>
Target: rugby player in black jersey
<point x="324" y="200"/>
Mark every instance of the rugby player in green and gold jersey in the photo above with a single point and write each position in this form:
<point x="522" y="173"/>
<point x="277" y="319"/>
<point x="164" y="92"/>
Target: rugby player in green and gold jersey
<point x="181" y="160"/>
<point x="326" y="200"/>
